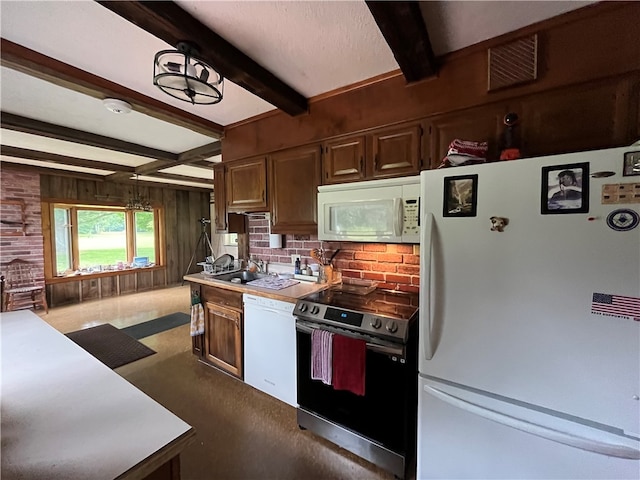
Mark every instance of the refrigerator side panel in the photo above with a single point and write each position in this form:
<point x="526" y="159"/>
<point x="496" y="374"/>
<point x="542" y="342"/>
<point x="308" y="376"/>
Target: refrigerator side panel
<point x="510" y="312"/>
<point x="453" y="443"/>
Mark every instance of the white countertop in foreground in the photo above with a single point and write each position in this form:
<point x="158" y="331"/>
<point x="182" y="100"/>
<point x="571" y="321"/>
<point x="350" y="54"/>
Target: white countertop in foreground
<point x="66" y="415"/>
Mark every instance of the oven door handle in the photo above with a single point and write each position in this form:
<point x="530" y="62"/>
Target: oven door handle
<point x="374" y="347"/>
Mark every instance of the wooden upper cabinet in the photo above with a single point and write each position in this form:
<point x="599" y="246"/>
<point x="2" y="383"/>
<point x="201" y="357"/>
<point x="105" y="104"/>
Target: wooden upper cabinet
<point x="584" y="117"/>
<point x="386" y="152"/>
<point x="395" y="152"/>
<point x="481" y="124"/>
<point x="294" y="178"/>
<point x="246" y="186"/>
<point x="220" y="199"/>
<point x="344" y="160"/>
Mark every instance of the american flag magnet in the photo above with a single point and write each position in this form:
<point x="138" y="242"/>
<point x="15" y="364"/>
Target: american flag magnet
<point x="616" y="306"/>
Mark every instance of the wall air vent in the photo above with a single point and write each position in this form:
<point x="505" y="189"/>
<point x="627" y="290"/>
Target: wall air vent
<point x="513" y="63"/>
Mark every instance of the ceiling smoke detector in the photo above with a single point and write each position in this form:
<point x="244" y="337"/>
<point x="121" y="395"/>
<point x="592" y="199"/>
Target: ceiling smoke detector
<point x="116" y="106"/>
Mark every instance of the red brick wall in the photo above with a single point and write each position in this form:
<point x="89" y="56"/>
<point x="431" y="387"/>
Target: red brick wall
<point x="395" y="267"/>
<point x="25" y="186"/>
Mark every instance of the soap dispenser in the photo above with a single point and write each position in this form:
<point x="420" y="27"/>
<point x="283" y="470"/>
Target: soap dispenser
<point x="297" y="266"/>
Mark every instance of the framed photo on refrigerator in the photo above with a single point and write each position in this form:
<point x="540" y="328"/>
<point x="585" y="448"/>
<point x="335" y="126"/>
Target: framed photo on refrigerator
<point x="460" y="196"/>
<point x="631" y="164"/>
<point x="565" y="189"/>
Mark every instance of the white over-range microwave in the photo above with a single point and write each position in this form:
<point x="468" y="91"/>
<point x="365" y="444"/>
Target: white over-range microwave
<point x="384" y="211"/>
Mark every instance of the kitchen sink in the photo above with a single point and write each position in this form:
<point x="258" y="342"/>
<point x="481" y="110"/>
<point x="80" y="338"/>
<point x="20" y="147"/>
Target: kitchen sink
<point x="242" y="276"/>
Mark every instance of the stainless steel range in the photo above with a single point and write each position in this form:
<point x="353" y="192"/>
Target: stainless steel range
<point x="379" y="426"/>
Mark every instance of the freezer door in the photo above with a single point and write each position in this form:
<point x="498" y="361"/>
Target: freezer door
<point x="510" y="312"/>
<point x="462" y="434"/>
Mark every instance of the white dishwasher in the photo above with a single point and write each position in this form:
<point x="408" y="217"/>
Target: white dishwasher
<point x="270" y="347"/>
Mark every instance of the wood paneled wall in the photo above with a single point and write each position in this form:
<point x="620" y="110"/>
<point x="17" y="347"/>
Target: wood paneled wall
<point x="181" y="211"/>
<point x="587" y="45"/>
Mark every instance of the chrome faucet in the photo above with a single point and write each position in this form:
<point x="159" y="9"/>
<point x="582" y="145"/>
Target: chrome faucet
<point x="258" y="264"/>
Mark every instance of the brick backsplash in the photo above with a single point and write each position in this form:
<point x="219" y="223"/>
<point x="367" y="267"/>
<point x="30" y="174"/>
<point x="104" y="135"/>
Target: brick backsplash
<point x="24" y="186"/>
<point x="393" y="266"/>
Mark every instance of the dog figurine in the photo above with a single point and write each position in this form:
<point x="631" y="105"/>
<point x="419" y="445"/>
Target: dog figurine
<point x="498" y="224"/>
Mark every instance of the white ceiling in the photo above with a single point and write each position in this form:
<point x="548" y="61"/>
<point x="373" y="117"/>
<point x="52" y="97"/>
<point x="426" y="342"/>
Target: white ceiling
<point x="313" y="46"/>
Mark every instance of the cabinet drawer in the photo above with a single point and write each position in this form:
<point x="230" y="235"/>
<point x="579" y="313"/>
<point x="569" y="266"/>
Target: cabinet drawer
<point x="221" y="296"/>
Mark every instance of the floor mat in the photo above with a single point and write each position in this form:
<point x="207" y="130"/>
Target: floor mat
<point x="110" y="345"/>
<point x="157" y="325"/>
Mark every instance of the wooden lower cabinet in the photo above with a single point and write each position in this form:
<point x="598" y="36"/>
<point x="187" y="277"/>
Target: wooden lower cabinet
<point x="223" y="338"/>
<point x="221" y="343"/>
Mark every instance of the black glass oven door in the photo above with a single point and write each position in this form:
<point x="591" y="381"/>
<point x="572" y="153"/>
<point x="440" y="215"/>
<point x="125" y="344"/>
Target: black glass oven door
<point x="384" y="414"/>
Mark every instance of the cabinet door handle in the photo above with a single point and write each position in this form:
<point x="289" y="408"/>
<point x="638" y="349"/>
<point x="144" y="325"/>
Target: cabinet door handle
<point x="361" y="164"/>
<point x="326" y="175"/>
<point x="375" y="162"/>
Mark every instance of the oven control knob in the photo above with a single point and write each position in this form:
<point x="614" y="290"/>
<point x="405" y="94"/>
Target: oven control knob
<point x="392" y="327"/>
<point x="375" y="323"/>
<point x="314" y="309"/>
<point x="303" y="307"/>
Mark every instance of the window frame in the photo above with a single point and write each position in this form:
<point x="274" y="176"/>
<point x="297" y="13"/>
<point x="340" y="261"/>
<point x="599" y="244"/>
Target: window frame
<point x="130" y="232"/>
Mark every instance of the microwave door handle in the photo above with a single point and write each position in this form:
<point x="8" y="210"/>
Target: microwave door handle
<point x="398" y="217"/>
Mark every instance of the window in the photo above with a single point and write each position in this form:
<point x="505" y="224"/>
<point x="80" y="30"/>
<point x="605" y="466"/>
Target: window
<point x="93" y="239"/>
<point x="145" y="235"/>
<point x="62" y="235"/>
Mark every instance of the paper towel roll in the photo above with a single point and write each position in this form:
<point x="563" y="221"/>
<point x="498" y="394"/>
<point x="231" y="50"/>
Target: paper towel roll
<point x="275" y="240"/>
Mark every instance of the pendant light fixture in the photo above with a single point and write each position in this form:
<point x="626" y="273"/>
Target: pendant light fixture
<point x="180" y="74"/>
<point x="137" y="202"/>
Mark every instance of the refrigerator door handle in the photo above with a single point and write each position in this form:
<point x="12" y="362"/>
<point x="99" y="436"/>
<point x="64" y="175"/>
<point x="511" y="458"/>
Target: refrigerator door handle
<point x="613" y="447"/>
<point x="426" y="307"/>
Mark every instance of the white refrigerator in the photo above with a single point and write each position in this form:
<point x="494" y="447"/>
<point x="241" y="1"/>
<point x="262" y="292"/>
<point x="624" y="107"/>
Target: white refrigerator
<point x="529" y="359"/>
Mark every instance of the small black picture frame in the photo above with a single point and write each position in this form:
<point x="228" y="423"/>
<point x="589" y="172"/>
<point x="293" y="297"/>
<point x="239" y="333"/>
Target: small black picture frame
<point x="460" y="196"/>
<point x="631" y="165"/>
<point x="565" y="189"/>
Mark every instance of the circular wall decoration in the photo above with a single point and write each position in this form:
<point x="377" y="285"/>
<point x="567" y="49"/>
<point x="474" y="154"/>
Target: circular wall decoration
<point x="623" y="220"/>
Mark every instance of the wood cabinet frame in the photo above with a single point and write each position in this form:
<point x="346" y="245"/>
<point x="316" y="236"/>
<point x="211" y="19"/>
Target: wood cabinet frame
<point x="294" y="176"/>
<point x="221" y="324"/>
<point x="386" y="152"/>
<point x="246" y="186"/>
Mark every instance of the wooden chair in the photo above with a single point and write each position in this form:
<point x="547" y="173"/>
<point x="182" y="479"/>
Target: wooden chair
<point x="20" y="282"/>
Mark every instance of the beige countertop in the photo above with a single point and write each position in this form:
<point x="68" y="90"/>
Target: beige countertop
<point x="289" y="294"/>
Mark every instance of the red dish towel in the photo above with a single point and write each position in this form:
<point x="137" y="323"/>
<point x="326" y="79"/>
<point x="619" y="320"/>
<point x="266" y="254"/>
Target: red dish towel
<point x="349" y="359"/>
<point x="321" y="348"/>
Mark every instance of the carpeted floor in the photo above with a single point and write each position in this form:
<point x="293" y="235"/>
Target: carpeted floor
<point x="110" y="345"/>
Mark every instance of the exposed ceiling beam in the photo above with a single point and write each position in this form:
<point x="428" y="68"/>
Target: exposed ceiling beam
<point x="205" y="151"/>
<point x="152" y="167"/>
<point x="18" y="152"/>
<point x="174" y="186"/>
<point x="403" y="27"/>
<point x="183" y="178"/>
<point x="200" y="153"/>
<point x="202" y="163"/>
<point x="36" y="127"/>
<point x="52" y="171"/>
<point x="40" y="66"/>
<point x="119" y="177"/>
<point x="167" y="21"/>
